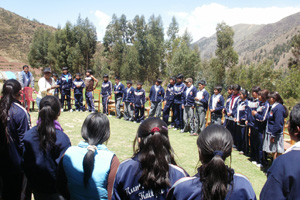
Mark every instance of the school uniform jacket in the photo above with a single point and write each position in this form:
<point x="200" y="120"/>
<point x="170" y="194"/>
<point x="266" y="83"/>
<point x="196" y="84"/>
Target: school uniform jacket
<point x="119" y="89"/>
<point x="233" y="104"/>
<point x="204" y="100"/>
<point x="227" y="103"/>
<point x="66" y="82"/>
<point x="169" y="95"/>
<point x="128" y="95"/>
<point x="79" y="82"/>
<point x="275" y="122"/>
<point x="189" y="99"/>
<point x="178" y="90"/>
<point x="157" y="95"/>
<point x="261" y="115"/>
<point x="242" y="112"/>
<point x="220" y="104"/>
<point x="127" y="186"/>
<point x="253" y="105"/>
<point x="190" y="188"/>
<point x="140" y="97"/>
<point x="106" y="88"/>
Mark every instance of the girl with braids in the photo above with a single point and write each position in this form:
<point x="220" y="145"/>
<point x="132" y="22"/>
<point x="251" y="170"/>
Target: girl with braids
<point x="215" y="180"/>
<point x="152" y="170"/>
<point x="14" y="123"/>
<point x="89" y="169"/>
<point x="44" y="146"/>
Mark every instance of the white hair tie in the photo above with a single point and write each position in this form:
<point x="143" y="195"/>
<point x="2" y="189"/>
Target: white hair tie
<point x="92" y="148"/>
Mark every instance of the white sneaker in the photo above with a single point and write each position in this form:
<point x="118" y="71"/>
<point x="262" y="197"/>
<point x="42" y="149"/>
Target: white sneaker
<point x="182" y="131"/>
<point x="175" y="129"/>
<point x="259" y="165"/>
<point x="134" y="122"/>
<point x="76" y="110"/>
<point x="70" y="110"/>
<point x="62" y="110"/>
<point x="93" y="111"/>
<point x="254" y="162"/>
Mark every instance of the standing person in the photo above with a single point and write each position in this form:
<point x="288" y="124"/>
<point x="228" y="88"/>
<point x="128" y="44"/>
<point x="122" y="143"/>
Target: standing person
<point x="216" y="105"/>
<point x="128" y="99"/>
<point x="106" y="90"/>
<point x="188" y="105"/>
<point x="56" y="80"/>
<point x="65" y="88"/>
<point x="156" y="97"/>
<point x="169" y="101"/>
<point x="78" y="85"/>
<point x="90" y="85"/>
<point x="88" y="170"/>
<point x="139" y="102"/>
<point x="273" y="142"/>
<point x="226" y="109"/>
<point x="26" y="79"/>
<point x="283" y="175"/>
<point x="201" y="102"/>
<point x="214" y="180"/>
<point x="260" y="116"/>
<point x="152" y="169"/>
<point x="14" y="123"/>
<point x="178" y="112"/>
<point x="118" y="90"/>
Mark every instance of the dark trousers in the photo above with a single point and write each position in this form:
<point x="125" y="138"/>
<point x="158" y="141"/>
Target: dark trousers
<point x="78" y="102"/>
<point x="256" y="141"/>
<point x="178" y="116"/>
<point x="231" y="126"/>
<point x="139" y="114"/>
<point x="66" y="93"/>
<point x="242" y="138"/>
<point x="89" y="101"/>
<point x="105" y="101"/>
<point x="166" y="112"/>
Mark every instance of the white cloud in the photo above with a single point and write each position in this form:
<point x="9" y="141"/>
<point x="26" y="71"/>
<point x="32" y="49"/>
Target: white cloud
<point x="202" y="21"/>
<point x="102" y="21"/>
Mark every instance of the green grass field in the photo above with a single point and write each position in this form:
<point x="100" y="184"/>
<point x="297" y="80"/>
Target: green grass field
<point x="123" y="134"/>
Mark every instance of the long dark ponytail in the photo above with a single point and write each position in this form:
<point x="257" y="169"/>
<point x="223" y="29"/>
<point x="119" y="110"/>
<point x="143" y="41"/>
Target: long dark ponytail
<point x="49" y="111"/>
<point x="10" y="93"/>
<point x="95" y="130"/>
<point x="278" y="99"/>
<point x="155" y="154"/>
<point x="215" y="145"/>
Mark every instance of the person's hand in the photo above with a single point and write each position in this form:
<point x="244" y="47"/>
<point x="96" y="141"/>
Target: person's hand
<point x="254" y="112"/>
<point x="212" y="110"/>
<point x="142" y="106"/>
<point x="246" y="122"/>
<point x="182" y="106"/>
<point x="228" y="114"/>
<point x="131" y="104"/>
<point x="223" y="111"/>
<point x="78" y="86"/>
<point x="193" y="107"/>
<point x="272" y="139"/>
<point x="164" y="102"/>
<point x="48" y="89"/>
<point x="197" y="99"/>
<point x="234" y="120"/>
<point x="116" y="92"/>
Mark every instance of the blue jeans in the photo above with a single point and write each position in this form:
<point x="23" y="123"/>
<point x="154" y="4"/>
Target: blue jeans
<point x="105" y="101"/>
<point x="139" y="114"/>
<point x="90" y="101"/>
<point x="166" y="112"/>
<point x="178" y="116"/>
<point x="78" y="102"/>
<point x="66" y="93"/>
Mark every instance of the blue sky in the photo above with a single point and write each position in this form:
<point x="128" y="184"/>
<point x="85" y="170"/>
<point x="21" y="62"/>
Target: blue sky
<point x="199" y="17"/>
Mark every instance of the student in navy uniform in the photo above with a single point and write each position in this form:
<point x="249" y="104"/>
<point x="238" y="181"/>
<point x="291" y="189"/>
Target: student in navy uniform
<point x="283" y="176"/>
<point x="214" y="180"/>
<point x="241" y="118"/>
<point x="169" y="101"/>
<point x="226" y="109"/>
<point x="65" y="82"/>
<point x="260" y="116"/>
<point x="234" y="102"/>
<point x="78" y="85"/>
<point x="128" y="99"/>
<point x="188" y="105"/>
<point x="139" y="102"/>
<point x="118" y="90"/>
<point x="273" y="141"/>
<point x="106" y="90"/>
<point x="14" y="123"/>
<point x="44" y="146"/>
<point x="156" y="97"/>
<point x="55" y="78"/>
<point x="201" y="102"/>
<point x="90" y="85"/>
<point x="152" y="169"/>
<point x="216" y="105"/>
<point x="178" y="111"/>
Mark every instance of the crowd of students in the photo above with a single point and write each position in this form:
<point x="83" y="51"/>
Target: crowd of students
<point x="41" y="160"/>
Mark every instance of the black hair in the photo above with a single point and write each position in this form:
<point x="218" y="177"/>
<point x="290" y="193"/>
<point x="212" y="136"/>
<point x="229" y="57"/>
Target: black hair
<point x="264" y="94"/>
<point x="10" y="93"/>
<point x="65" y="68"/>
<point x="295" y="118"/>
<point x="202" y="82"/>
<point x="24" y="66"/>
<point x="236" y="87"/>
<point x="230" y="87"/>
<point x="77" y="74"/>
<point x="244" y="92"/>
<point x="215" y="145"/>
<point x="155" y="154"/>
<point x="255" y="89"/>
<point x="55" y="74"/>
<point x="117" y="77"/>
<point x="218" y="87"/>
<point x="172" y="78"/>
<point x="129" y="82"/>
<point x="159" y="81"/>
<point x="105" y="76"/>
<point x="95" y="130"/>
<point x="179" y="76"/>
<point x="278" y="99"/>
<point x="139" y="83"/>
<point x="89" y="71"/>
<point x="49" y="111"/>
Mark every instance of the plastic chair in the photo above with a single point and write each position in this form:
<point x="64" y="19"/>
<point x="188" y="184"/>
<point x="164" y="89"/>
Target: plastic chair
<point x="28" y="97"/>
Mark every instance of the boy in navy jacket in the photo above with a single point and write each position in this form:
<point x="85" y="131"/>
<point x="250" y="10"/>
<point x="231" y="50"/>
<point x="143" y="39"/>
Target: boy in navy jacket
<point x="139" y="102"/>
<point x="65" y="82"/>
<point x="106" y="90"/>
<point x="216" y="105"/>
<point x="78" y="85"/>
<point x="201" y="102"/>
<point x="283" y="176"/>
<point x="188" y="105"/>
<point x="118" y="90"/>
<point x="226" y="109"/>
<point x="156" y="97"/>
<point x="128" y="98"/>
<point x="56" y="91"/>
<point x="178" y="111"/>
<point x="169" y="101"/>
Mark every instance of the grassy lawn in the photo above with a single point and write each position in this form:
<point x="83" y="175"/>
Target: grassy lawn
<point x="123" y="133"/>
